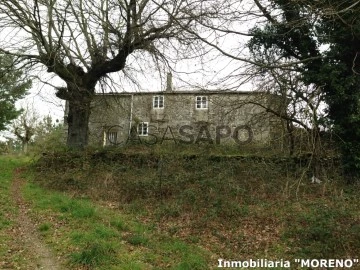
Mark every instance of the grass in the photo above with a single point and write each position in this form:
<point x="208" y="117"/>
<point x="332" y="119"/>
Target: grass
<point x="228" y="207"/>
<point x="324" y="231"/>
<point x="44" y="227"/>
<point x="99" y="238"/>
<point x="6" y="173"/>
<point x="8" y="212"/>
<point x="131" y="210"/>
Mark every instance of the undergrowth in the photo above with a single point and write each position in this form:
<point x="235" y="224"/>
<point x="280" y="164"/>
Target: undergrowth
<point x="235" y="207"/>
<point x="95" y="237"/>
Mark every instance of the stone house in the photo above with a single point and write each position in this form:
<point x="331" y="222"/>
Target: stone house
<point x="214" y="117"/>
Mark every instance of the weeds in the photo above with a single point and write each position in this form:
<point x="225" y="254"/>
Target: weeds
<point x="94" y="254"/>
<point x="119" y="224"/>
<point x="210" y="206"/>
<point x="101" y="238"/>
<point x="322" y="231"/>
<point x="137" y="239"/>
<point x="44" y="227"/>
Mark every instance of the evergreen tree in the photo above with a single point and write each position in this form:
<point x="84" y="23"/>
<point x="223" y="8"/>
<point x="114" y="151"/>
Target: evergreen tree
<point x="12" y="88"/>
<point x="300" y="30"/>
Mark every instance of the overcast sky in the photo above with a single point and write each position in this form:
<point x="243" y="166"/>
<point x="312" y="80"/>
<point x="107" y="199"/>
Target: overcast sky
<point x="194" y="74"/>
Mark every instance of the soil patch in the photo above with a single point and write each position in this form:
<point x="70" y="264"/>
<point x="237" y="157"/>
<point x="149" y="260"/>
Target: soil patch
<point x="27" y="240"/>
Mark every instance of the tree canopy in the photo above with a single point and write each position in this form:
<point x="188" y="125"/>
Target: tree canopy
<point x="325" y="37"/>
<point x="12" y="87"/>
<point x="82" y="42"/>
<point x="318" y="41"/>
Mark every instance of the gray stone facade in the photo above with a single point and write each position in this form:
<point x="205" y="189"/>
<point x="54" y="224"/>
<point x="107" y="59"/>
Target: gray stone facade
<point x="214" y="117"/>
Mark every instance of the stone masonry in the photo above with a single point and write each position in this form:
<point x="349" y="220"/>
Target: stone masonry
<point x="214" y="117"/>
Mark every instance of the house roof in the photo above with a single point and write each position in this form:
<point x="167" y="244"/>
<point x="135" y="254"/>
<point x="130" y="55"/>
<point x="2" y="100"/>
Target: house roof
<point x="198" y="92"/>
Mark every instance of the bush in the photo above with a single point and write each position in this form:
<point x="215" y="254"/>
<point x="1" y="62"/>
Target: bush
<point x="54" y="141"/>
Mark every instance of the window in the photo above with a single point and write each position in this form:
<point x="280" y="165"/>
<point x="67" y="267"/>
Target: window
<point x="143" y="129"/>
<point x="158" y="102"/>
<point x="201" y="102"/>
<point x="110" y="137"/>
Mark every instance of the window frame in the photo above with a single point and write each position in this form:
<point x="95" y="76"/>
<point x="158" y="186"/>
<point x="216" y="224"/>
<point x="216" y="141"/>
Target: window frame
<point x="140" y="127"/>
<point x="199" y="101"/>
<point x="157" y="100"/>
<point x="112" y="137"/>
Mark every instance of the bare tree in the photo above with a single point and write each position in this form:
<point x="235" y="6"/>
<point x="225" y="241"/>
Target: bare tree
<point x="297" y="104"/>
<point x="82" y="42"/>
<point x="24" y="127"/>
<point x="319" y="40"/>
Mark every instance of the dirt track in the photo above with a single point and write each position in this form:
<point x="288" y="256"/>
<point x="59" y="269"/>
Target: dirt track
<point x="26" y="239"/>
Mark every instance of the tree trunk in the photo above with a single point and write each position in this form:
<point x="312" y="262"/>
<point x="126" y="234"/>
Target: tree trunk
<point x="25" y="147"/>
<point x="78" y="123"/>
<point x="79" y="96"/>
<point x="290" y="131"/>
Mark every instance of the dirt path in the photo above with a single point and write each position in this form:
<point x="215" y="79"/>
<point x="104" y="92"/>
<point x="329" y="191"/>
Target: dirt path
<point x="26" y="235"/>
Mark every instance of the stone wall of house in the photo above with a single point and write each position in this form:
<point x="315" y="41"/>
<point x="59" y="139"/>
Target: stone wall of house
<point x="109" y="113"/>
<point x="228" y="118"/>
